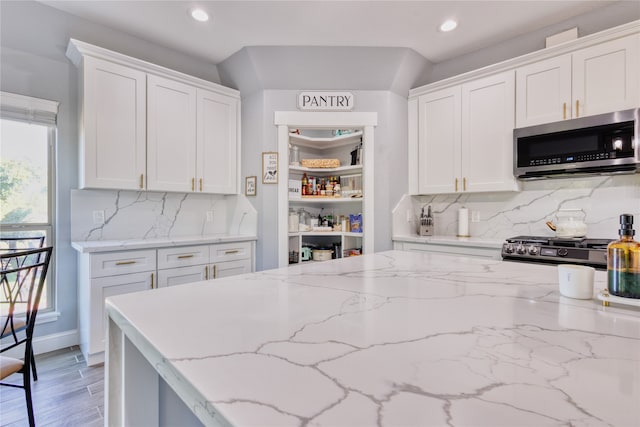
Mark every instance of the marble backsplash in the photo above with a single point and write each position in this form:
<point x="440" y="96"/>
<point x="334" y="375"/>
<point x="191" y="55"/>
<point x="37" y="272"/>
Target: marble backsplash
<point x="151" y="215"/>
<point x="504" y="215"/>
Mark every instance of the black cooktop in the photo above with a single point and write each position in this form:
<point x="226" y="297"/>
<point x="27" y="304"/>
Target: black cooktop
<point x="567" y="242"/>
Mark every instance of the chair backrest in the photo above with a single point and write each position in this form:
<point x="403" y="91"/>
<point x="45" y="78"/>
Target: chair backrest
<point x="21" y="243"/>
<point x="22" y="278"/>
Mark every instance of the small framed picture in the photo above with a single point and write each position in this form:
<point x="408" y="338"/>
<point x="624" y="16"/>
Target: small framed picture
<point x="250" y="185"/>
<point x="270" y="168"/>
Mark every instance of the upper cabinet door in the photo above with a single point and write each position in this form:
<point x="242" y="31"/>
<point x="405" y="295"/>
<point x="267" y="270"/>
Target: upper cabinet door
<point x="543" y="92"/>
<point x="487" y="133"/>
<point x="171" y="128"/>
<point x="439" y="141"/>
<point x="606" y="77"/>
<point x="217" y="143"/>
<point x="113" y="136"/>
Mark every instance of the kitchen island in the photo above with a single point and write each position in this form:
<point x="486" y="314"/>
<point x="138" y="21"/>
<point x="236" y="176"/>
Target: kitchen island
<point x="394" y="338"/>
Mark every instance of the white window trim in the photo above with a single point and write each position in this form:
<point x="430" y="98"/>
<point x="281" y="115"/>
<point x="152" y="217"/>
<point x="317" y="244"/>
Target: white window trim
<point x="42" y="112"/>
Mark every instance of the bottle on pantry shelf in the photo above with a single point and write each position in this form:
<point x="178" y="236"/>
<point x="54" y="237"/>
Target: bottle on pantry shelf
<point x="329" y="191"/>
<point x="323" y="188"/>
<point x="623" y="262"/>
<point x="304" y="184"/>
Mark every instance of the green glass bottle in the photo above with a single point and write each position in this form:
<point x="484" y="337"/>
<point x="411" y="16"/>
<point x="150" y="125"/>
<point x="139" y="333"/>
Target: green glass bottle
<point x="623" y="262"/>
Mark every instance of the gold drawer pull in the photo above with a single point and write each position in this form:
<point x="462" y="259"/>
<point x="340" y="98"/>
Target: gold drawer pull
<point x="185" y="256"/>
<point x="464" y="184"/>
<point x="200" y="184"/>
<point x="141" y="180"/>
<point x="564" y="111"/>
<point x="151" y="280"/>
<point x="215" y="271"/>
<point x="206" y="272"/>
<point x="456" y="184"/>
<point x="193" y="184"/>
<point x="577" y="108"/>
<point x="125" y="262"/>
<point x="231" y="251"/>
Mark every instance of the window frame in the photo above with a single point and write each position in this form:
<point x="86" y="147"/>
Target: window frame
<point x="41" y="112"/>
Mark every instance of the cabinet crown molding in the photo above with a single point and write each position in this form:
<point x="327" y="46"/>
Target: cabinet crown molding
<point x="546" y="53"/>
<point x="77" y="49"/>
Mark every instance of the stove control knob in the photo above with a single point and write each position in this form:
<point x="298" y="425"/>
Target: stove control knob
<point x="562" y="252"/>
<point x="533" y="250"/>
<point x="508" y="248"/>
<point x="521" y="249"/>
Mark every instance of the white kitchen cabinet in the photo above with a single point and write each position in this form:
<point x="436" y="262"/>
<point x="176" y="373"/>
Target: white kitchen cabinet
<point x="146" y="127"/>
<point x="113" y="126"/>
<point x="191" y="139"/>
<point x="217" y="150"/>
<point x="465" y="137"/>
<point x="171" y="130"/>
<point x="594" y="80"/>
<point x="104" y="275"/>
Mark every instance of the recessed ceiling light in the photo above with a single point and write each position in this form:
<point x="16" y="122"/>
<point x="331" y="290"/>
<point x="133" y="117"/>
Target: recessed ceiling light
<point x="200" y="15"/>
<point x="448" y="25"/>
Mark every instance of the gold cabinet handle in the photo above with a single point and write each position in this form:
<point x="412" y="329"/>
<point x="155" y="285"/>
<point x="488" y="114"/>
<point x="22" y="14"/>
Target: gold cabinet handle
<point x="206" y="272"/>
<point x="564" y="111"/>
<point x="193" y="184"/>
<point x="185" y="256"/>
<point x="464" y="184"/>
<point x="125" y="262"/>
<point x="577" y="108"/>
<point x="151" y="280"/>
<point x="141" y="181"/>
<point x="231" y="251"/>
<point x="456" y="184"/>
<point x="215" y="271"/>
<point x="200" y="184"/>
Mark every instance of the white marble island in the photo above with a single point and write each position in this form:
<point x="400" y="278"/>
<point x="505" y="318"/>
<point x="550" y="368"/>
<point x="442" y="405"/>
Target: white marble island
<point x="395" y="338"/>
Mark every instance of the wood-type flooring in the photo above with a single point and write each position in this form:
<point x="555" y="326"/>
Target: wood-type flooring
<point x="67" y="393"/>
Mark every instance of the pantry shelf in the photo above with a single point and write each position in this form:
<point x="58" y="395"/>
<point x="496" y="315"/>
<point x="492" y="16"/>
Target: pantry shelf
<point x="325" y="143"/>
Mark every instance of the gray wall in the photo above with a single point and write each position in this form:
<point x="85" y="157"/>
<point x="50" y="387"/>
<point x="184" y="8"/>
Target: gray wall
<point x="33" y="41"/>
<point x="390" y="136"/>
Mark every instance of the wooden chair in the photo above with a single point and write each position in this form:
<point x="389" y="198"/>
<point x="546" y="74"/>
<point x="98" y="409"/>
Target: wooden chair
<point x="22" y="278"/>
<point x="20" y="244"/>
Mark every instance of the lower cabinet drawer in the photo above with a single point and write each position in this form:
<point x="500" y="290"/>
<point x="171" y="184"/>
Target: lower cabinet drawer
<point x="182" y="256"/>
<point x="125" y="262"/>
<point x="230" y="251"/>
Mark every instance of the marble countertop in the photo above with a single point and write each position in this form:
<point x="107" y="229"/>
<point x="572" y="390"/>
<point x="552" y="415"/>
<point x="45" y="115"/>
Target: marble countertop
<point x="388" y="339"/>
<point x="478" y="242"/>
<point x="121" y="245"/>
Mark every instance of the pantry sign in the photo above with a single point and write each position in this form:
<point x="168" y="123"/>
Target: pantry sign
<point x="325" y="101"/>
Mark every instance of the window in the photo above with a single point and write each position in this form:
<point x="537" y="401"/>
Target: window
<point x="27" y="140"/>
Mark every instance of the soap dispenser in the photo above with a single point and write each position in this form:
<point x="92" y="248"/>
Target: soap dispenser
<point x="623" y="262"/>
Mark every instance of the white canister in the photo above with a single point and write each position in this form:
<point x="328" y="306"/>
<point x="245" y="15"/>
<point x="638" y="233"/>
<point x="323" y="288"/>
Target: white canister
<point x="576" y="281"/>
<point x="463" y="222"/>
<point x="294" y="220"/>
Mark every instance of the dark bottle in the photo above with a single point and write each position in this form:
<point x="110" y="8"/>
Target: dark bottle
<point x="304" y="184"/>
<point x="623" y="262"/>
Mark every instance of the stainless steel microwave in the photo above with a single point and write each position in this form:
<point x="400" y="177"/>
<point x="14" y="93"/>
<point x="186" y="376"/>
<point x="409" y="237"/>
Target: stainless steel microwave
<point x="602" y="144"/>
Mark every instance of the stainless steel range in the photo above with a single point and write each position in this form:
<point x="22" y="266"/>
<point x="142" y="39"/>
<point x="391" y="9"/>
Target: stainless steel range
<point x="556" y="250"/>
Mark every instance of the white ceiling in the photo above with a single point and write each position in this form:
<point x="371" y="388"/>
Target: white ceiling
<point x="413" y="24"/>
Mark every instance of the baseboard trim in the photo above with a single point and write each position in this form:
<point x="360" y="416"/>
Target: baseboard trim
<point x="48" y="343"/>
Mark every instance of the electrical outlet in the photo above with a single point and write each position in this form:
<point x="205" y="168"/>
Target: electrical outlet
<point x="475" y="216"/>
<point x="209" y="216"/>
<point x="409" y="216"/>
<point x="98" y="217"/>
